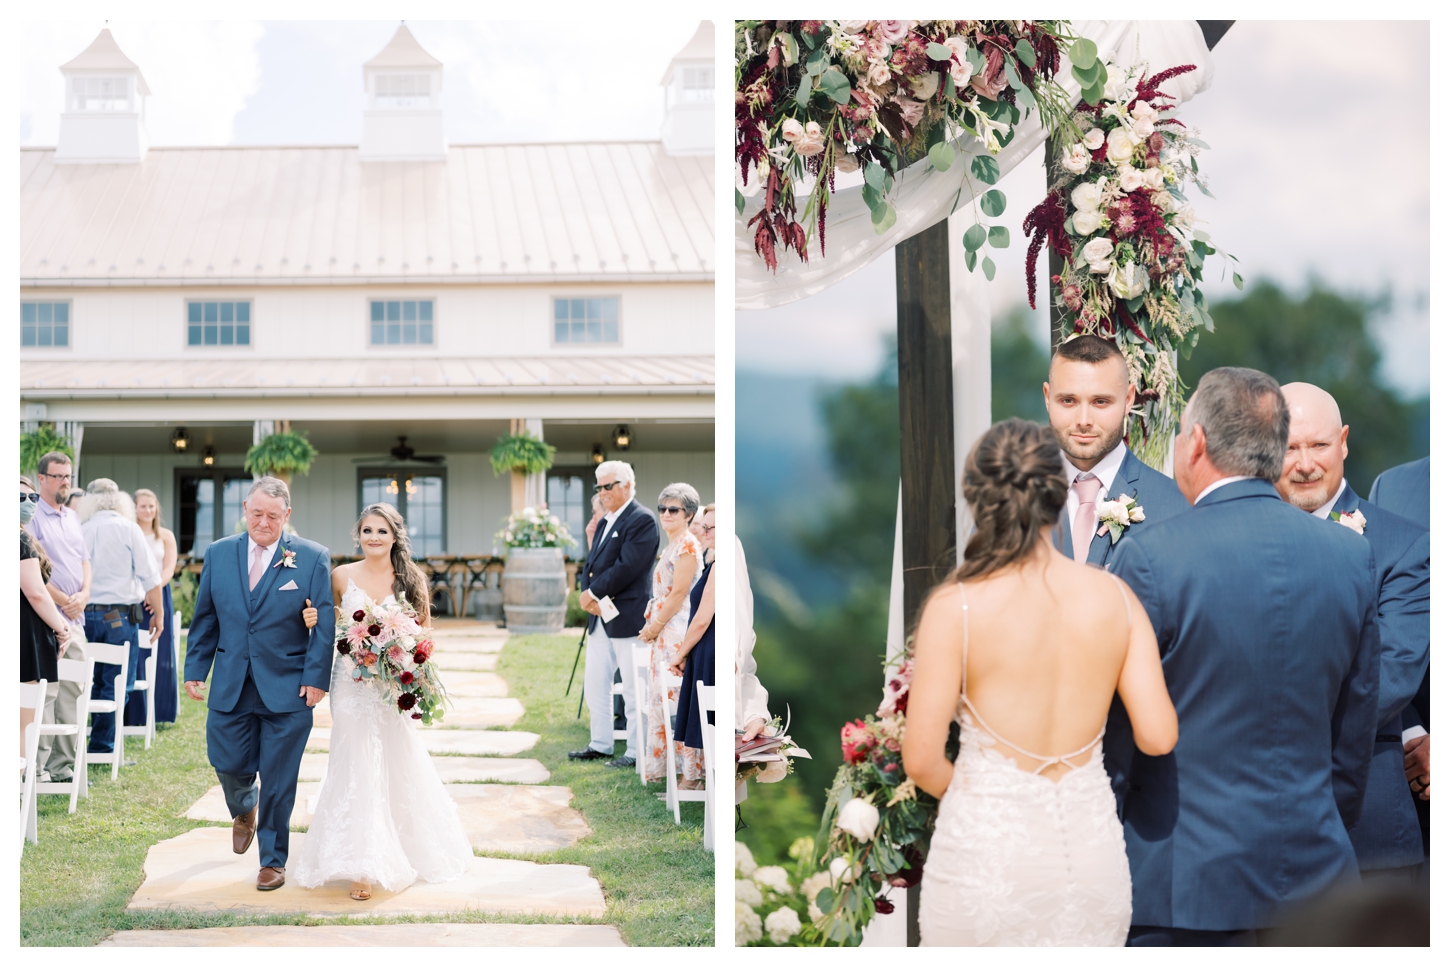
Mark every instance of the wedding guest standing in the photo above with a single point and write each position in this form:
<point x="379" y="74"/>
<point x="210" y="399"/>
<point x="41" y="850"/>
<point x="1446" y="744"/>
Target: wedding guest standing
<point x="666" y="621"/>
<point x="696" y="661"/>
<point x="1265" y="620"/>
<point x="43" y="629"/>
<point x="163" y="548"/>
<point x="1387" y="837"/>
<point x="74" y="500"/>
<point x="617" y="568"/>
<point x="58" y="529"/>
<point x="752" y="713"/>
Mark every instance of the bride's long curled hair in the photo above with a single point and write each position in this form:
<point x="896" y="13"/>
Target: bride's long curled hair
<point x="409" y="583"/>
<point x="1015" y="485"/>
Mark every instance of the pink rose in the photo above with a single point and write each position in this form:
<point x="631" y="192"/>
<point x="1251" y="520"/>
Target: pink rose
<point x="893" y="31"/>
<point x="911" y="109"/>
<point x="812" y="142"/>
<point x="791" y="130"/>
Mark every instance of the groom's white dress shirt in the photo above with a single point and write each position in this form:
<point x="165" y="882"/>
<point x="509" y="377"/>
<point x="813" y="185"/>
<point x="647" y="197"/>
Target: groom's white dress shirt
<point x="1106" y="470"/>
<point x="1220" y="483"/>
<point x="1323" y="512"/>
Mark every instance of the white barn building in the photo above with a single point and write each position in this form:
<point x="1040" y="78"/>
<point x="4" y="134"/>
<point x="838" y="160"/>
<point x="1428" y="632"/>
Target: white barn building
<point x="198" y="297"/>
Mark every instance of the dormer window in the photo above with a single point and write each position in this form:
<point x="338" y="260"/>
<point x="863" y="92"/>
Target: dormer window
<point x="697" y="84"/>
<point x="93" y="94"/>
<point x="403" y="91"/>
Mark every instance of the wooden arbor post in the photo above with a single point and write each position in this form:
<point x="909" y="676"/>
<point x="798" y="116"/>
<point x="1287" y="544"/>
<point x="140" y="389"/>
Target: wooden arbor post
<point x="924" y="370"/>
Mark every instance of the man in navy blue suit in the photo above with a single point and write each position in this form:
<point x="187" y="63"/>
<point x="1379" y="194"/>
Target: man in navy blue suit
<point x="267" y="668"/>
<point x="1266" y="621"/>
<point x="1387" y="837"/>
<point x="619" y="567"/>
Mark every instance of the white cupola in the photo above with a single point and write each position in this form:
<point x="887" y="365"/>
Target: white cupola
<point x="104" y="121"/>
<point x="689" y="85"/>
<point x="404" y="117"/>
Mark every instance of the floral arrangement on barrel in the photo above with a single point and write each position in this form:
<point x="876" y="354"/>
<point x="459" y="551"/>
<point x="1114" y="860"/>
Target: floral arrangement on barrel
<point x="535" y="527"/>
<point x="390" y="651"/>
<point x="817" y="97"/>
<point x="1133" y="256"/>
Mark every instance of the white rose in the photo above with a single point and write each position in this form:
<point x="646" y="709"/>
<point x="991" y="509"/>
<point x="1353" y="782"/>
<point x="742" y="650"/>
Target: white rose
<point x="878" y="73"/>
<point x="1185" y="218"/>
<point x="1116" y="83"/>
<point x="1130" y="178"/>
<point x="923" y="88"/>
<point x="1093" y="140"/>
<point x="840" y="868"/>
<point x="1137" y="516"/>
<point x="1128" y="281"/>
<point x="1087" y="196"/>
<point x="811" y="888"/>
<point x="1145" y="110"/>
<point x="961" y="68"/>
<point x="773" y="877"/>
<point x="748" y="892"/>
<point x="1085" y="221"/>
<point x="773" y="772"/>
<point x="791" y="130"/>
<point x="1162" y="201"/>
<point x="853" y="26"/>
<point x="1143" y="128"/>
<point x="1153" y="178"/>
<point x="1120" y="146"/>
<point x="846" y="162"/>
<point x="1099" y="253"/>
<point x="859" y="818"/>
<point x="782" y="925"/>
<point x="1075" y="159"/>
<point x="744" y="861"/>
<point x="1119" y="514"/>
<point x="747" y="925"/>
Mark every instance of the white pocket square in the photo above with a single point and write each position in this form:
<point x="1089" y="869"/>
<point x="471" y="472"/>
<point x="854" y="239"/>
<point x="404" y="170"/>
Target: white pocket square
<point x="289" y="586"/>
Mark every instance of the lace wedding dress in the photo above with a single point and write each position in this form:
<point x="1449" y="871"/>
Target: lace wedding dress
<point x="1020" y="860"/>
<point x="382" y="814"/>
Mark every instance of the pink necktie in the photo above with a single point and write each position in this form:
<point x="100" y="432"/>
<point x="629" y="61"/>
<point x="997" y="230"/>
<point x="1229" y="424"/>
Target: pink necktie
<point x="1087" y="487"/>
<point x="259" y="564"/>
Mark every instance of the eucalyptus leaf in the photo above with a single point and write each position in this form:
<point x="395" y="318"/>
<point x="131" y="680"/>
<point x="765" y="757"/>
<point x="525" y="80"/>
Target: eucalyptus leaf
<point x="971" y="261"/>
<point x="1203" y="189"/>
<point x="818" y="62"/>
<point x="977" y="58"/>
<point x="938" y="51"/>
<point x="883" y="217"/>
<point x="876" y="177"/>
<point x="871" y="197"/>
<point x="1238" y="282"/>
<point x="974" y="238"/>
<point x="1011" y="71"/>
<point x="1025" y="53"/>
<point x="989" y="268"/>
<point x="985" y="169"/>
<point x="950" y="89"/>
<point x="942" y="154"/>
<point x="803" y="92"/>
<point x="1083" y="53"/>
<point x="1026" y="98"/>
<point x="998" y="236"/>
<point x="810" y="40"/>
<point x="1207" y="321"/>
<point x="836" y="86"/>
<point x="994" y="203"/>
<point x="1093" y="95"/>
<point x="1135" y="304"/>
<point x="826" y="900"/>
<point x="1200" y="234"/>
<point x="1087" y="78"/>
<point x="740" y="210"/>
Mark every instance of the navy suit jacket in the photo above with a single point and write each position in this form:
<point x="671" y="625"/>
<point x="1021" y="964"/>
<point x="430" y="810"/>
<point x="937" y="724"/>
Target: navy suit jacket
<point x="1273" y="666"/>
<point x="1388" y="832"/>
<point x="235" y="628"/>
<point x="1405" y="490"/>
<point x="619" y="567"/>
<point x="1157" y="494"/>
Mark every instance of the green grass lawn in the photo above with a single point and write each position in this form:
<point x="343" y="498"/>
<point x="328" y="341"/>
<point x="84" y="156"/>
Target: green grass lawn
<point x="657" y="880"/>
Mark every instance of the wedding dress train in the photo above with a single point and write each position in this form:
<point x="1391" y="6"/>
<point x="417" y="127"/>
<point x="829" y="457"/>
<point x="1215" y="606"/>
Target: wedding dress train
<point x="382" y="814"/>
<point x="1018" y="859"/>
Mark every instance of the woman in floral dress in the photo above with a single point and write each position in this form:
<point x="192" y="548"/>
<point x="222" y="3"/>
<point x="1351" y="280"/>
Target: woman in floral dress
<point x="666" y="621"/>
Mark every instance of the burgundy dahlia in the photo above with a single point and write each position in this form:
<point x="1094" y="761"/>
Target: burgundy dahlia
<point x="343" y="648"/>
<point x="374" y="630"/>
<point x="406" y="678"/>
<point x="407" y="700"/>
<point x="359" y="615"/>
<point x="884" y="905"/>
<point x="419" y="657"/>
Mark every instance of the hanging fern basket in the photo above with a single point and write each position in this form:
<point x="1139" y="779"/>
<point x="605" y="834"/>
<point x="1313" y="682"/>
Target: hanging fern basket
<point x="281" y="455"/>
<point x="521" y="453"/>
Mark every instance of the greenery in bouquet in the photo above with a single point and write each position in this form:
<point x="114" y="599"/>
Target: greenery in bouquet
<point x="389" y="650"/>
<point x="817" y="97"/>
<point x="535" y="527"/>
<point x="1118" y="215"/>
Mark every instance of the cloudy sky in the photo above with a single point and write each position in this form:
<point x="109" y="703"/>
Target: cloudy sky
<point x="299" y="82"/>
<point x="1320" y="165"/>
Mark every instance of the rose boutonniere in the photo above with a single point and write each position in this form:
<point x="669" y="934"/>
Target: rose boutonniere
<point x="1118" y="515"/>
<point x="289" y="559"/>
<point x="1354" y="520"/>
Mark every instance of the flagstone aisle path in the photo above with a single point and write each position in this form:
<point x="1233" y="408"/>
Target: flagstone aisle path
<point x="503" y="801"/>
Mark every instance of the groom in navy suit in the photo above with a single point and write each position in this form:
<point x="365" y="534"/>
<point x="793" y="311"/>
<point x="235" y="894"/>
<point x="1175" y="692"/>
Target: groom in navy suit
<point x="1266" y="621"/>
<point x="1387" y="837"/>
<point x="267" y="668"/>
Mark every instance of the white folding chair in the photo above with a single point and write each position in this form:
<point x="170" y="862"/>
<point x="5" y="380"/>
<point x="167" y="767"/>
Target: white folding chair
<point x="641" y="709"/>
<point x="180" y="664"/>
<point x="617" y="688"/>
<point x="707" y="735"/>
<point x="673" y="793"/>
<point x="103" y="654"/>
<point x="146" y="731"/>
<point x="81" y="673"/>
<point x="31" y="697"/>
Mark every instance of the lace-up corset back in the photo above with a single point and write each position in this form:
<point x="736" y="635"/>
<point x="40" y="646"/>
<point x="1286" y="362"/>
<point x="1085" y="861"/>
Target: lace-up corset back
<point x="975" y="725"/>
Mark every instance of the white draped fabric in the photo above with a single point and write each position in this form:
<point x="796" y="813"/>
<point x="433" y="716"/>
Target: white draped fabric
<point x="923" y="196"/>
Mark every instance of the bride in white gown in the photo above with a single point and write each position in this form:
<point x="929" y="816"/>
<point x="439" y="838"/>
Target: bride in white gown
<point x="1028" y="849"/>
<point x="383" y="816"/>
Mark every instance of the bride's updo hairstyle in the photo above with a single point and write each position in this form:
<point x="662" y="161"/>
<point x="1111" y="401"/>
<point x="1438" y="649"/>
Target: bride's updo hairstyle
<point x="408" y="581"/>
<point x="1015" y="485"/>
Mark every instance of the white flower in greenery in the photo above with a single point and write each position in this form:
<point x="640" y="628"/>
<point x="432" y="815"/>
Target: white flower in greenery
<point x="961" y="68"/>
<point x="859" y="818"/>
<point x="878" y="73"/>
<point x="1354" y="520"/>
<point x="1145" y="110"/>
<point x="1153" y="178"/>
<point x="1162" y="201"/>
<point x="853" y="26"/>
<point x="1093" y="140"/>
<point x="1085" y="221"/>
<point x="811" y="888"/>
<point x="744" y="861"/>
<point x="747" y="892"/>
<point x="1128" y="281"/>
<point x="846" y="162"/>
<point x="1116" y="84"/>
<point x="1120" y="146"/>
<point x="747" y="925"/>
<point x="1099" y="254"/>
<point x="773" y="771"/>
<point x="791" y="130"/>
<point x="1136" y="515"/>
<point x="924" y="88"/>
<point x="1130" y="178"/>
<point x="841" y="871"/>
<point x="773" y="878"/>
<point x="782" y="925"/>
<point x="1186" y="218"/>
<point x="1143" y="128"/>
<point x="1088" y="195"/>
<point x="812" y="142"/>
<point x="1118" y="512"/>
<point x="1075" y="159"/>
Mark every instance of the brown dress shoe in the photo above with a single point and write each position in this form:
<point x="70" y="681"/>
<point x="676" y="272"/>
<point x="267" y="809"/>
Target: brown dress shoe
<point x="244" y="827"/>
<point x="271" y="877"/>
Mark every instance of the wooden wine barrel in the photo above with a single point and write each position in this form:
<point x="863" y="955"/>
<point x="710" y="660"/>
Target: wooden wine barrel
<point x="535" y="590"/>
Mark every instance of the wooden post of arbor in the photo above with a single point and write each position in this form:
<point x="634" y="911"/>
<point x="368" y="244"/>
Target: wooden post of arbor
<point x="924" y="366"/>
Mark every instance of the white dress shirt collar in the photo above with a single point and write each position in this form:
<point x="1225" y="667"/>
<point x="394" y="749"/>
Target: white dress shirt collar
<point x="1220" y="483"/>
<point x="253" y="545"/>
<point x="1323" y="512"/>
<point x="1106" y="469"/>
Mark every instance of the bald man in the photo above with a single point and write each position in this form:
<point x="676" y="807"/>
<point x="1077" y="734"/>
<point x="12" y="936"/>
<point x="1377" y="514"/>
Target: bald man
<point x="1387" y="836"/>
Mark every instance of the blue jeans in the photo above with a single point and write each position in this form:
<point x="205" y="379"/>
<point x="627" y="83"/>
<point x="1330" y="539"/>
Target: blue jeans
<point x="103" y="729"/>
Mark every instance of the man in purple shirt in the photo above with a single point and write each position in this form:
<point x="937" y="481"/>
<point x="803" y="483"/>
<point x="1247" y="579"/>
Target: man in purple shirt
<point x="58" y="529"/>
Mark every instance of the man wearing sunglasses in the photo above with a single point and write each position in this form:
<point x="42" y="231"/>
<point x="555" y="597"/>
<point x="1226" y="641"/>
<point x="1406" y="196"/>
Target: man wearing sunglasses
<point x="619" y="566"/>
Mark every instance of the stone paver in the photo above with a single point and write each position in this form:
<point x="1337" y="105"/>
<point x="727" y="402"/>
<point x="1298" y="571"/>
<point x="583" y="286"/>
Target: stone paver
<point x="212" y="806"/>
<point x="453" y="768"/>
<point x="198" y="871"/>
<point x="379" y="935"/>
<point x="474" y="685"/>
<point x="463" y="661"/>
<point x="467" y="712"/>
<point x="453" y="741"/>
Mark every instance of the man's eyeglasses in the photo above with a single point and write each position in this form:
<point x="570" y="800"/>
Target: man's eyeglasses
<point x="609" y="486"/>
<point x="56" y="476"/>
<point x="669" y="510"/>
<point x="33" y="497"/>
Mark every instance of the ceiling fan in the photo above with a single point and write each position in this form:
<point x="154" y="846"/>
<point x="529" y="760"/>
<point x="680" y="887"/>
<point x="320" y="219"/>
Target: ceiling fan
<point x="402" y="453"/>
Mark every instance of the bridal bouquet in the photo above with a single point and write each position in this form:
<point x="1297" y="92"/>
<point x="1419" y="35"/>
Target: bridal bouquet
<point x="390" y="651"/>
<point x="1133" y="256"/>
<point x="814" y="97"/>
